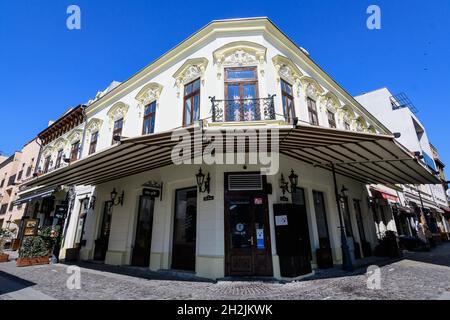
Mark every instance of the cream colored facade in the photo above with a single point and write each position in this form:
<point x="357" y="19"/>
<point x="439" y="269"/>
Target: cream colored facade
<point x="205" y="56"/>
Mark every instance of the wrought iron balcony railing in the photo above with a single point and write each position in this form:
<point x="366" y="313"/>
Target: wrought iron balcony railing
<point x="243" y="109"/>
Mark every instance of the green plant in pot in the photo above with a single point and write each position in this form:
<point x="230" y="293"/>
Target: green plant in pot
<point x="5" y="235"/>
<point x="33" y="251"/>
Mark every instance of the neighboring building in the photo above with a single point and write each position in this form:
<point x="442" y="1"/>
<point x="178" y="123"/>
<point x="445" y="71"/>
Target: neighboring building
<point x="13" y="171"/>
<point x="439" y="165"/>
<point x="233" y="219"/>
<point x="398" y="114"/>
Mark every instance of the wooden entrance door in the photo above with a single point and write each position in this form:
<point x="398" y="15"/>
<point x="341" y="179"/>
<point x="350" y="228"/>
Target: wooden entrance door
<point x="247" y="234"/>
<point x="143" y="240"/>
<point x="101" y="244"/>
<point x="185" y="230"/>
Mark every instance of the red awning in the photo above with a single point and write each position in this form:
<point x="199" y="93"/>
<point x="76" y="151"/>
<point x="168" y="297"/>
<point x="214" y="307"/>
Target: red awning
<point x="384" y="195"/>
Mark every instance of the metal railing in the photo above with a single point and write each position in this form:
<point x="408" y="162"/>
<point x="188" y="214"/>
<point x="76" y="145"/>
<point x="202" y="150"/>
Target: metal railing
<point x="250" y="109"/>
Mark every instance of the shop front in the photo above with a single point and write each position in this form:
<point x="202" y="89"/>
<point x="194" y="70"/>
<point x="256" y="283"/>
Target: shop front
<point x="232" y="220"/>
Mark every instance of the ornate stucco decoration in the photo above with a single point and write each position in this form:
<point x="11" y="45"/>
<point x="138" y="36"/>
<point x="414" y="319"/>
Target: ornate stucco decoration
<point x="60" y="144"/>
<point x="149" y="93"/>
<point x="288" y="71"/>
<point x="371" y="129"/>
<point x="330" y="102"/>
<point x="94" y="125"/>
<point x="47" y="151"/>
<point x="240" y="54"/>
<point x="311" y="87"/>
<point x="347" y="115"/>
<point x="117" y="111"/>
<point x="189" y="71"/>
<point x="361" y="124"/>
<point x="74" y="136"/>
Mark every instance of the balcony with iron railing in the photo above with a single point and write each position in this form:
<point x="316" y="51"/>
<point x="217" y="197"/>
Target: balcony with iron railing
<point x="244" y="110"/>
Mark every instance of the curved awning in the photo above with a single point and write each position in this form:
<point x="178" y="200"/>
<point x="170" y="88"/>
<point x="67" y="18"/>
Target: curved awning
<point x="368" y="158"/>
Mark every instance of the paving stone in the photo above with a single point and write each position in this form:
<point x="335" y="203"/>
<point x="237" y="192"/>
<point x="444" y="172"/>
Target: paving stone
<point x="424" y="275"/>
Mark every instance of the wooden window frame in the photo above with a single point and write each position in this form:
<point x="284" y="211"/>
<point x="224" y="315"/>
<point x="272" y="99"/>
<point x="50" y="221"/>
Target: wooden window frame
<point x="241" y="82"/>
<point x="285" y="96"/>
<point x="312" y="111"/>
<point x="59" y="158"/>
<point x="47" y="161"/>
<point x="331" y="121"/>
<point x="93" y="143"/>
<point x="117" y="132"/>
<point x="191" y="97"/>
<point x="73" y="155"/>
<point x="148" y="118"/>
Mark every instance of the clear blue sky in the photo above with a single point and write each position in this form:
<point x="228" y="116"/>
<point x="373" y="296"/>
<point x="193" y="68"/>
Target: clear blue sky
<point x="45" y="68"/>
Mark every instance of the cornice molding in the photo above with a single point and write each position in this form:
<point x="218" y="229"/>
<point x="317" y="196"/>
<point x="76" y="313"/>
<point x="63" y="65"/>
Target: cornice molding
<point x="262" y="26"/>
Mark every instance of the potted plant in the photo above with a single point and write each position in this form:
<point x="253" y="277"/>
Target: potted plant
<point x="34" y="251"/>
<point x="5" y="235"/>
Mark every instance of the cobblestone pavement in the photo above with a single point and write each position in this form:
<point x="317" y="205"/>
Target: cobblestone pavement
<point x="423" y="275"/>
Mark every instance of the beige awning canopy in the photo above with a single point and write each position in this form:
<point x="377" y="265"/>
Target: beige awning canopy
<point x="368" y="158"/>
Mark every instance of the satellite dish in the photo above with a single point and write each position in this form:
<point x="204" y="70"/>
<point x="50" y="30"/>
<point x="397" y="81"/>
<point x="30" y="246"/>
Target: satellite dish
<point x="447" y="193"/>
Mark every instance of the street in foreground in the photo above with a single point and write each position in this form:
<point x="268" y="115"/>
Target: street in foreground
<point x="424" y="275"/>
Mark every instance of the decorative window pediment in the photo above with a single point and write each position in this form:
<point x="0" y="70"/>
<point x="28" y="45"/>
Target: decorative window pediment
<point x="288" y="71"/>
<point x="149" y="93"/>
<point x="371" y="129"/>
<point x="361" y="124"/>
<point x="117" y="111"/>
<point x="240" y="54"/>
<point x="311" y="87"/>
<point x="47" y="151"/>
<point x="94" y="125"/>
<point x="347" y="115"/>
<point x="189" y="71"/>
<point x="75" y="136"/>
<point x="331" y="102"/>
<point x="61" y="143"/>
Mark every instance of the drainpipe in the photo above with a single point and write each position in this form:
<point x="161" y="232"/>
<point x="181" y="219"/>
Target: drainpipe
<point x="346" y="257"/>
<point x="84" y="133"/>
<point x="39" y="156"/>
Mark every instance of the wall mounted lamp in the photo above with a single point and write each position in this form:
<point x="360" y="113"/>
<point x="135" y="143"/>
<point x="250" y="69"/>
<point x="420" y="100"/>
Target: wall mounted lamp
<point x="202" y="183"/>
<point x="291" y="186"/>
<point x="116" y="199"/>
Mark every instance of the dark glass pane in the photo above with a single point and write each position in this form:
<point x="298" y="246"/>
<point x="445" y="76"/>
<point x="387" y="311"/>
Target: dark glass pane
<point x="187" y="111"/>
<point x="196" y="85"/>
<point x="188" y="89"/>
<point x="240" y="224"/>
<point x="186" y="216"/>
<point x="321" y="219"/>
<point x="118" y="124"/>
<point x="234" y="105"/>
<point x="196" y="115"/>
